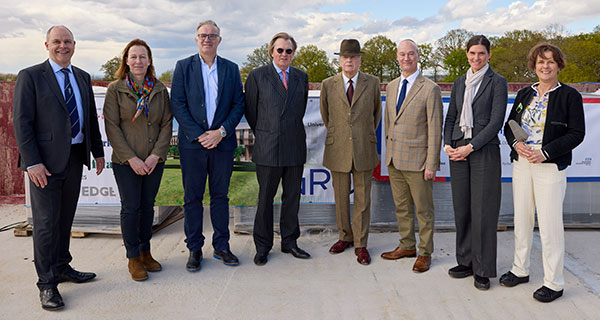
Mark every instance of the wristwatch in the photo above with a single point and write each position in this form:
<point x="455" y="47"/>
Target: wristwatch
<point x="223" y="132"/>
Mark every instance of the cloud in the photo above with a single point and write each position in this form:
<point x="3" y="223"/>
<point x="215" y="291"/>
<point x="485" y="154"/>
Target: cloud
<point x="103" y="27"/>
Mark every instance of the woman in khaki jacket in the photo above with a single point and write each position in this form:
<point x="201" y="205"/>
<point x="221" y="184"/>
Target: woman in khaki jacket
<point x="138" y="124"/>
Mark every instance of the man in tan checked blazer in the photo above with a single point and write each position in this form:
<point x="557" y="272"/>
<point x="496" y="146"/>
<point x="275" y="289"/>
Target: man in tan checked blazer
<point x="413" y="136"/>
<point x="351" y="110"/>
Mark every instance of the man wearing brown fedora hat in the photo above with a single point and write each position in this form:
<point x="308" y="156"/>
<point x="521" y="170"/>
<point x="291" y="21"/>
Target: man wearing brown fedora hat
<point x="351" y="110"/>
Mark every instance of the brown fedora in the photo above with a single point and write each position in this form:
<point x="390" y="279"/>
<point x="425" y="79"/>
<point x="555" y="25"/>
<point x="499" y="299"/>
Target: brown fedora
<point x="350" y="47"/>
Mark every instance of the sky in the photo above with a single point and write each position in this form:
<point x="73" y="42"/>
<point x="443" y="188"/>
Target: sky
<point x="102" y="28"/>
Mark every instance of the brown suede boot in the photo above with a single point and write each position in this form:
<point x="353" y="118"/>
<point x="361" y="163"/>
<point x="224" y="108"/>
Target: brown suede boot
<point x="137" y="270"/>
<point x="150" y="264"/>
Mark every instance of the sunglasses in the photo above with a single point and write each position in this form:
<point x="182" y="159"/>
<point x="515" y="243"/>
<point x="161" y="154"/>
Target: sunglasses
<point x="288" y="51"/>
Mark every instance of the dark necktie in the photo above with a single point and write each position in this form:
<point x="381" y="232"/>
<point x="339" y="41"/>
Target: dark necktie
<point x="71" y="104"/>
<point x="402" y="95"/>
<point x="350" y="92"/>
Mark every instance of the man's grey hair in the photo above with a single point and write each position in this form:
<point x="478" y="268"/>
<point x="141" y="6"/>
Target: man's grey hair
<point x="58" y="26"/>
<point x="209" y="22"/>
<point x="413" y="42"/>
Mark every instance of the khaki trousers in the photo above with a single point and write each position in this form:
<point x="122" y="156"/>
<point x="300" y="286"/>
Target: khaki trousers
<point x="413" y="195"/>
<point x="357" y="229"/>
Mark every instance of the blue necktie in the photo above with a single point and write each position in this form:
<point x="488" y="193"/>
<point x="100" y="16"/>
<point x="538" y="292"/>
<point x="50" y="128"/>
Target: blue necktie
<point x="71" y="104"/>
<point x="402" y="95"/>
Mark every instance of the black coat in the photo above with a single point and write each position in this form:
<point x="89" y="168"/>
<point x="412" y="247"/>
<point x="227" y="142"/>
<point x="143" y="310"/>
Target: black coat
<point x="275" y="116"/>
<point x="42" y="123"/>
<point x="564" y="128"/>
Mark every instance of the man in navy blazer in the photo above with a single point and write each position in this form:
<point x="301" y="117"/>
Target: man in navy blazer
<point x="208" y="102"/>
<point x="56" y="127"/>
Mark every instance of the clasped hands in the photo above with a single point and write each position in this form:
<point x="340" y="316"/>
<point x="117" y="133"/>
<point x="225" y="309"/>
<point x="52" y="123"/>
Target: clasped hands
<point x="532" y="155"/>
<point x="210" y="139"/>
<point x="460" y="153"/>
<point x="143" y="167"/>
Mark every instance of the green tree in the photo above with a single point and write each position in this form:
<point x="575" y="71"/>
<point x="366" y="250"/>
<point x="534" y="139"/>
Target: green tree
<point x="509" y="54"/>
<point x="582" y="53"/>
<point x="426" y="60"/>
<point x="453" y="41"/>
<point x="8" y="77"/>
<point x="456" y="63"/>
<point x="380" y="58"/>
<point x="258" y="57"/>
<point x="166" y="76"/>
<point x="110" y="68"/>
<point x="596" y="29"/>
<point x="314" y="62"/>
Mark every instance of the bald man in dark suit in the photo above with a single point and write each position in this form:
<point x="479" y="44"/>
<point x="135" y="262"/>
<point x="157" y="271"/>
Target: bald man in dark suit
<point x="56" y="127"/>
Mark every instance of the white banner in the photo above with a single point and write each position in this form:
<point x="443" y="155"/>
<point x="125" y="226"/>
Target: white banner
<point x="317" y="185"/>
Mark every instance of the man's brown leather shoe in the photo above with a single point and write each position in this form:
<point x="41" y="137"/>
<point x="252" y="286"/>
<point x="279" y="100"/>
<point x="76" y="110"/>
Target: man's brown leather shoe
<point x="422" y="264"/>
<point x="340" y="246"/>
<point x="363" y="256"/>
<point x="137" y="270"/>
<point x="399" y="253"/>
<point x="150" y="264"/>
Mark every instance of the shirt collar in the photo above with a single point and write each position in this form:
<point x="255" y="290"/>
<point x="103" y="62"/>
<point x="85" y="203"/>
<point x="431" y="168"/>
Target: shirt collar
<point x="214" y="65"/>
<point x="353" y="78"/>
<point x="287" y="70"/>
<point x="410" y="78"/>
<point x="56" y="68"/>
<point x="535" y="85"/>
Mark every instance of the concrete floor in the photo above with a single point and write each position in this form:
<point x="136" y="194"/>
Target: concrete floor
<point x="324" y="287"/>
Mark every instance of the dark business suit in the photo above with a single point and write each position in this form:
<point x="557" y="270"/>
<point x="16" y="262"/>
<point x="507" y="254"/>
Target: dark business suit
<point x="275" y="116"/>
<point x="43" y="133"/>
<point x="476" y="184"/>
<point x="188" y="108"/>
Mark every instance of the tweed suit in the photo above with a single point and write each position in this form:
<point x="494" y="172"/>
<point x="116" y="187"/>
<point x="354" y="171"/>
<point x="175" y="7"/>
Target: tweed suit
<point x="413" y="138"/>
<point x="351" y="147"/>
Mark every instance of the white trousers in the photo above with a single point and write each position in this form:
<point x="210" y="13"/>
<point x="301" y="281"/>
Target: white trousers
<point x="539" y="186"/>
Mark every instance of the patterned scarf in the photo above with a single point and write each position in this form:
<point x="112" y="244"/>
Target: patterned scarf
<point x="142" y="92"/>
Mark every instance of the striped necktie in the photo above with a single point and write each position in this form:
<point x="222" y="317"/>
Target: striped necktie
<point x="71" y="103"/>
<point x="284" y="79"/>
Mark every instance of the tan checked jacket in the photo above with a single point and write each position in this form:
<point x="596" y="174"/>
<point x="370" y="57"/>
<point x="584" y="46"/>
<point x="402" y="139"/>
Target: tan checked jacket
<point x="414" y="136"/>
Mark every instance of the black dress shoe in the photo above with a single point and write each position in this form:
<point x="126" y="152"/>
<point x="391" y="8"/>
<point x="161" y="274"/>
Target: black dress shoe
<point x="51" y="299"/>
<point x="460" y="271"/>
<point x="481" y="283"/>
<point x="296" y="252"/>
<point x="228" y="258"/>
<point x="545" y="294"/>
<point x="193" y="263"/>
<point x="260" y="259"/>
<point x="72" y="275"/>
<point x="509" y="279"/>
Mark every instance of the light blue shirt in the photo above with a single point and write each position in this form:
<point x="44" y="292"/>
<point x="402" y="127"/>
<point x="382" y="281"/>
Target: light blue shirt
<point x="210" y="77"/>
<point x="60" y="77"/>
<point x="280" y="73"/>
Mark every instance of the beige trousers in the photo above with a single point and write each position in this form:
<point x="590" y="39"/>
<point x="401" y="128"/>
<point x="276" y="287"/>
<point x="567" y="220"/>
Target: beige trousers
<point x="539" y="187"/>
<point x="357" y="229"/>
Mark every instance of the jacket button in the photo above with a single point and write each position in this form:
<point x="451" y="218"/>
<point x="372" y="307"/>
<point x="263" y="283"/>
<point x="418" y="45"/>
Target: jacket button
<point x="150" y="140"/>
<point x="204" y="121"/>
<point x="350" y="138"/>
<point x="149" y="123"/>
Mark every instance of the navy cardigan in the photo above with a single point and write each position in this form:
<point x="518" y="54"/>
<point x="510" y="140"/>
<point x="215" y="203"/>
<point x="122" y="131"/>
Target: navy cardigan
<point x="564" y="128"/>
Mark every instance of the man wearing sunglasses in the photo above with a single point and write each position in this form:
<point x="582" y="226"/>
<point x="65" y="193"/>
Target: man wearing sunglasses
<point x="276" y="97"/>
<point x="208" y="102"/>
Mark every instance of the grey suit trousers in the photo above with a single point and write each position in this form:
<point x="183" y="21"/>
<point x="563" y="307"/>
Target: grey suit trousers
<point x="476" y="194"/>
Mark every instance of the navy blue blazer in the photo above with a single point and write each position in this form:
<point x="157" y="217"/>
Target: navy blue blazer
<point x="42" y="123"/>
<point x="188" y="107"/>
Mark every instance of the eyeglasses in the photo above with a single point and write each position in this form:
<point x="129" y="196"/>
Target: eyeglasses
<point x="210" y="36"/>
<point x="288" y="51"/>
